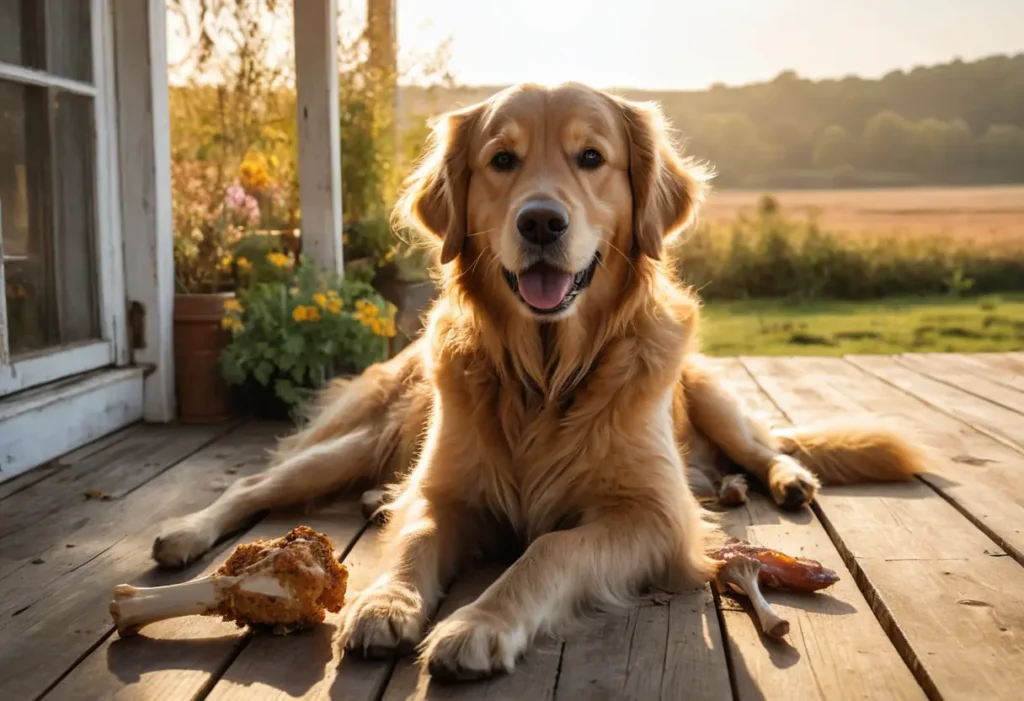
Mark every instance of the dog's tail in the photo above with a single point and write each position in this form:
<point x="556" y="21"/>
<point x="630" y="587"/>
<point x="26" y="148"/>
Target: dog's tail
<point x="855" y="451"/>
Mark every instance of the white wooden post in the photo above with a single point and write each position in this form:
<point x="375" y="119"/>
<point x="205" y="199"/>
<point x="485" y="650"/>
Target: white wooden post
<point x="143" y="117"/>
<point x="316" y="79"/>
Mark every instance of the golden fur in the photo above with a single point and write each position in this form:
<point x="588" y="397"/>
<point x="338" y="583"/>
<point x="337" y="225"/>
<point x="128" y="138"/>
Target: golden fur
<point x="561" y="434"/>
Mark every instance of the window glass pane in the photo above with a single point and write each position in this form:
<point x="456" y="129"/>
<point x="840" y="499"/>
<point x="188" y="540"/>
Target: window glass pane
<point x="48" y="217"/>
<point x="48" y="35"/>
<point x="10" y="31"/>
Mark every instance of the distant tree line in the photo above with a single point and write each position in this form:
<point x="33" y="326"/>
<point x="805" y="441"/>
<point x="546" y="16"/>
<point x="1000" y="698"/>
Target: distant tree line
<point x="954" y="123"/>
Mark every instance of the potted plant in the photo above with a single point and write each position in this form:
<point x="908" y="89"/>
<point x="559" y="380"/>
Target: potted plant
<point x="217" y="235"/>
<point x="206" y="224"/>
<point x="293" y="329"/>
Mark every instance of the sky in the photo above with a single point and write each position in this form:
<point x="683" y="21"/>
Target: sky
<point x="682" y="44"/>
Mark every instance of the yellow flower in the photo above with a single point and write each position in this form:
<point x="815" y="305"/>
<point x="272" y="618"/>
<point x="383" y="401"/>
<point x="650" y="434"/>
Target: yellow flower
<point x="232" y="324"/>
<point x="244" y="263"/>
<point x="253" y="172"/>
<point x="278" y="260"/>
<point x="233" y="305"/>
<point x="320" y="299"/>
<point x="306" y="313"/>
<point x="334" y="308"/>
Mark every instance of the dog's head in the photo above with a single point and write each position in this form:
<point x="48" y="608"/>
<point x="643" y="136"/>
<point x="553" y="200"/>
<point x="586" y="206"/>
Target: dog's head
<point x="532" y="189"/>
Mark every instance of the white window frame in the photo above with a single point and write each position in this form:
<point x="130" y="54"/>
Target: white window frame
<point x="111" y="348"/>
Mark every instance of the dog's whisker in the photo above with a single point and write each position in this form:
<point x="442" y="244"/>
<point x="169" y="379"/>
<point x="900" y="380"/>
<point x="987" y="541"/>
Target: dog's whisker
<point x="472" y="266"/>
<point x="624" y="256"/>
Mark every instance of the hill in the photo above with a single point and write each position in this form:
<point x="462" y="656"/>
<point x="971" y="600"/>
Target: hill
<point x="953" y="123"/>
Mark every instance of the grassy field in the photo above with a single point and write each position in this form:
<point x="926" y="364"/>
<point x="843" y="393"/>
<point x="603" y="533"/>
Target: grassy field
<point x="986" y="324"/>
<point x="978" y="212"/>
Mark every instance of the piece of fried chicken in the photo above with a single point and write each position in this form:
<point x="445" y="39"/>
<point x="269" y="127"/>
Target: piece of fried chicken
<point x="288" y="583"/>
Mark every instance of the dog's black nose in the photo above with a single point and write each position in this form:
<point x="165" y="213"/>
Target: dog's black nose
<point x="542" y="221"/>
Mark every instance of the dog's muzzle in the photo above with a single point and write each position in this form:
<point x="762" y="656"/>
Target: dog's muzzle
<point x="546" y="289"/>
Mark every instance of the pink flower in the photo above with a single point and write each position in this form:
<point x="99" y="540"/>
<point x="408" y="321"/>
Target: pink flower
<point x="235" y="197"/>
<point x="251" y="210"/>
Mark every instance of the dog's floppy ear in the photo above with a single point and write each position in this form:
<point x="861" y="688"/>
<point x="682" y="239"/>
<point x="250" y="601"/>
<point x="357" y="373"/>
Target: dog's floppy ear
<point x="434" y="196"/>
<point x="667" y="189"/>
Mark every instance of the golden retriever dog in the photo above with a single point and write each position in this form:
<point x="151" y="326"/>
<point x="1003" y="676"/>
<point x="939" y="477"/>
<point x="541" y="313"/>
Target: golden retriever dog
<point x="554" y="400"/>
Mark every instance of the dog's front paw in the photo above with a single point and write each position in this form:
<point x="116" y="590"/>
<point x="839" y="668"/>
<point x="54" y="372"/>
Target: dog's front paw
<point x="384" y="618"/>
<point x="471" y="644"/>
<point x="182" y="541"/>
<point x="792" y="485"/>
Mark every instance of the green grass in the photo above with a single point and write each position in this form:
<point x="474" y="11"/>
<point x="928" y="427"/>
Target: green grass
<point x="921" y="325"/>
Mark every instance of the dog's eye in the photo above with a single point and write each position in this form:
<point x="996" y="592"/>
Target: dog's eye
<point x="504" y="161"/>
<point x="590" y="159"/>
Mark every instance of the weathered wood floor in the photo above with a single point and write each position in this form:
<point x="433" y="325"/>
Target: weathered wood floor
<point x="930" y="604"/>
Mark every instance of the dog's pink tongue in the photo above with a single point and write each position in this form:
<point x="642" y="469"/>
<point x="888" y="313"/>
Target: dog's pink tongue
<point x="544" y="287"/>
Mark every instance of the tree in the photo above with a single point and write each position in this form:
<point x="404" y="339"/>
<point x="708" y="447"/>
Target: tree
<point x="731" y="141"/>
<point x="1001" y="148"/>
<point x="887" y="140"/>
<point x="928" y="148"/>
<point x="834" y="148"/>
<point x="960" y="149"/>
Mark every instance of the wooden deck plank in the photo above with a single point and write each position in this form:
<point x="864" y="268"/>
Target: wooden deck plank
<point x="955" y="371"/>
<point x="667" y="649"/>
<point x="951" y="608"/>
<point x="997" y="367"/>
<point x="534" y="678"/>
<point x="979" y="475"/>
<point x="836" y="649"/>
<point x="996" y="421"/>
<point x="18" y="483"/>
<point x="89" y="530"/>
<point x="180" y="658"/>
<point x="38" y="519"/>
<point x="311" y="666"/>
<point x="57" y="618"/>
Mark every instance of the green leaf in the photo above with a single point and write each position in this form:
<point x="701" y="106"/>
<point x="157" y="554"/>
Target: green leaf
<point x="286" y="391"/>
<point x="294" y="345"/>
<point x="262" y="372"/>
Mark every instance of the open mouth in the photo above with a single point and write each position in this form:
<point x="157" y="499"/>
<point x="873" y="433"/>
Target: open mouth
<point x="546" y="289"/>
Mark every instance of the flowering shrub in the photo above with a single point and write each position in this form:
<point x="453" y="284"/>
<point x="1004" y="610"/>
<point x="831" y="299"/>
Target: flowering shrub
<point x="296" y="330"/>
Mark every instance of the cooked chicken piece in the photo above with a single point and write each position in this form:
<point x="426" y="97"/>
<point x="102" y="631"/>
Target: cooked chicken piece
<point x="741" y="573"/>
<point x="781" y="571"/>
<point x="288" y="583"/>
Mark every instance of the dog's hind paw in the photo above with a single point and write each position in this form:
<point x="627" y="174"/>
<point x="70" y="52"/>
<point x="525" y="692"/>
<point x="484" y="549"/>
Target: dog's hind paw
<point x="384" y="618"/>
<point x="471" y="644"/>
<point x="792" y="485"/>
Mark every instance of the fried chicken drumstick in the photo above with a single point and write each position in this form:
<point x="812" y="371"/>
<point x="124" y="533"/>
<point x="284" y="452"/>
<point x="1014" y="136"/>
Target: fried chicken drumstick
<point x="779" y="570"/>
<point x="288" y="583"/>
<point x="745" y="568"/>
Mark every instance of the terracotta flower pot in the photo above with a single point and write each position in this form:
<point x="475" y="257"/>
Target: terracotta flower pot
<point x="203" y="395"/>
